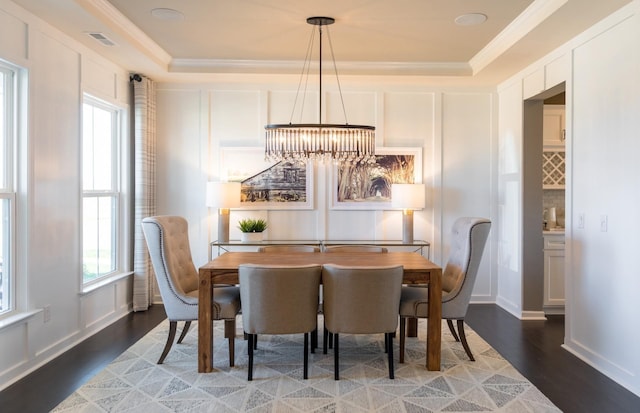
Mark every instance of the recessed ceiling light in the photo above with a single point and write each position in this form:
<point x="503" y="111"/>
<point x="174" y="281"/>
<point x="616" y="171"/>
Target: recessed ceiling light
<point x="471" y="19"/>
<point x="167" y="14"/>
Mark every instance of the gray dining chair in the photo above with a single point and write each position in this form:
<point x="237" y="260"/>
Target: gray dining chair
<point x="168" y="244"/>
<point x="468" y="238"/>
<point x="361" y="300"/>
<point x="293" y="248"/>
<point x="279" y="300"/>
<point x="349" y="248"/>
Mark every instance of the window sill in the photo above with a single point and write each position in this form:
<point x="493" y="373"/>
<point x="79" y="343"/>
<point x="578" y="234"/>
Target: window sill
<point x="18" y="318"/>
<point x="89" y="288"/>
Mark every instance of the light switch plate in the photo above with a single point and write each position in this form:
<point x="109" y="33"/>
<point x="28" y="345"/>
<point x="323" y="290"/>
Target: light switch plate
<point x="581" y="220"/>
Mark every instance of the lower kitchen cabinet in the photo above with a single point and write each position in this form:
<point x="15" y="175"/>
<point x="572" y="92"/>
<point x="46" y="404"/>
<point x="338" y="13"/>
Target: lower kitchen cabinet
<point x="553" y="302"/>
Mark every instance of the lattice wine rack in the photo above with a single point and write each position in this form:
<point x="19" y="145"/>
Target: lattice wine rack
<point x="553" y="170"/>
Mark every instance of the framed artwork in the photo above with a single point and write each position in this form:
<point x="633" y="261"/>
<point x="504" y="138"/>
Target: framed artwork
<point x="368" y="186"/>
<point x="267" y="185"/>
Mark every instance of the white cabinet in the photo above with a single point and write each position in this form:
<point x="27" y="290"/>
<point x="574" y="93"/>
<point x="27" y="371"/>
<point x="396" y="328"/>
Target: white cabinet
<point x="553" y="301"/>
<point x="553" y="130"/>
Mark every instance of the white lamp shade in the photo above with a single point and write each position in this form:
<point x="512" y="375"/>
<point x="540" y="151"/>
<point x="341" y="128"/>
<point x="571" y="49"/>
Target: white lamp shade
<point x="408" y="196"/>
<point x="223" y="194"/>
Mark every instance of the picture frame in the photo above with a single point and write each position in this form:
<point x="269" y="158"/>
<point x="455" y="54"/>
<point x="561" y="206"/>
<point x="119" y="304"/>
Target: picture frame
<point x="368" y="186"/>
<point x="267" y="185"/>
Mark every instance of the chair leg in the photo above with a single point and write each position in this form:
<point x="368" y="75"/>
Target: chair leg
<point x="453" y="330"/>
<point x="403" y="331"/>
<point x="185" y="329"/>
<point x="172" y="334"/>
<point x="230" y="333"/>
<point x="255" y="341"/>
<point x="305" y="371"/>
<point x="325" y="338"/>
<point x="336" y="359"/>
<point x="314" y="340"/>
<point x="463" y="339"/>
<point x="390" y="353"/>
<point x="250" y="347"/>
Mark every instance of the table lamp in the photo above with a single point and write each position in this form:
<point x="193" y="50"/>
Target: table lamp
<point x="223" y="195"/>
<point x="409" y="197"/>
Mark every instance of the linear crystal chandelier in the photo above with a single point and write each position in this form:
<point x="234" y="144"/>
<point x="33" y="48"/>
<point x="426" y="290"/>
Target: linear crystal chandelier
<point x="307" y="141"/>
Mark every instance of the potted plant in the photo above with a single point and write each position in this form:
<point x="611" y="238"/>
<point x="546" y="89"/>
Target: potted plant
<point x="252" y="229"/>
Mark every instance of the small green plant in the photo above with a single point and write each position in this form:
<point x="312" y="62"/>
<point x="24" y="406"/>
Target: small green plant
<point x="252" y="225"/>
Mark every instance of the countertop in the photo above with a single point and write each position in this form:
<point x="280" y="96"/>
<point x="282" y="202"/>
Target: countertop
<point x="555" y="231"/>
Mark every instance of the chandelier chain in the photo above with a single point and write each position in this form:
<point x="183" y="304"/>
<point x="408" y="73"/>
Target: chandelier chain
<point x="304" y="74"/>
<point x="335" y="70"/>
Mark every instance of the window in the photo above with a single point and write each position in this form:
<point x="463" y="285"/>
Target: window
<point x="8" y="110"/>
<point x="101" y="197"/>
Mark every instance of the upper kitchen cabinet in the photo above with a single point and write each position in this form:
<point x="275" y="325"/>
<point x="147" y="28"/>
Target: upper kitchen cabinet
<point x="553" y="132"/>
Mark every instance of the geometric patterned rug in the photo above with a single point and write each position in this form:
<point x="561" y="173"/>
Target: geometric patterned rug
<point x="135" y="383"/>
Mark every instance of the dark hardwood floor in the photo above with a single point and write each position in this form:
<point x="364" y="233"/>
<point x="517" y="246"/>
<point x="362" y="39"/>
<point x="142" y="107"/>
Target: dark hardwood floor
<point x="45" y="388"/>
<point x="533" y="347"/>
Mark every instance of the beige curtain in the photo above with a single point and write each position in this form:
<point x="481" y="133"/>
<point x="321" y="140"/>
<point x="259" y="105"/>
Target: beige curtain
<point x="144" y="130"/>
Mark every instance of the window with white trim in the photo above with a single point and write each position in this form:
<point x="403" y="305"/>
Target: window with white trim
<point x="8" y="111"/>
<point x="101" y="193"/>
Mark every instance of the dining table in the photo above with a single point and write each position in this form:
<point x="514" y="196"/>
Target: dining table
<point x="223" y="269"/>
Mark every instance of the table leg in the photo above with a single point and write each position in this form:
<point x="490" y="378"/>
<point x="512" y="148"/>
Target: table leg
<point x="205" y="324"/>
<point x="434" y="322"/>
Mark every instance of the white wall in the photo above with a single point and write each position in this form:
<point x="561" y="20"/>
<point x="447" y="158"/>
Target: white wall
<point x="602" y="284"/>
<point x="198" y="121"/>
<point x="605" y="151"/>
<point x="509" y="228"/>
<point x="49" y="268"/>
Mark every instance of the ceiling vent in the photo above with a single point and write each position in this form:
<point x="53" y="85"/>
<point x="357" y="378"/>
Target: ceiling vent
<point x="102" y="38"/>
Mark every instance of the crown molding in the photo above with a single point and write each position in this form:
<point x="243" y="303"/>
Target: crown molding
<point x="290" y="66"/>
<point x="115" y="20"/>
<point x="522" y="25"/>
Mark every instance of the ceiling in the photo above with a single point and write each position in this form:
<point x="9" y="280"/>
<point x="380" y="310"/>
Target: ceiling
<point x="400" y="37"/>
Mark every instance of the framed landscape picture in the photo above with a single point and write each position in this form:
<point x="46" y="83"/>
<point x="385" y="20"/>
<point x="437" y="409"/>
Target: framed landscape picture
<point x="368" y="186"/>
<point x="267" y="185"/>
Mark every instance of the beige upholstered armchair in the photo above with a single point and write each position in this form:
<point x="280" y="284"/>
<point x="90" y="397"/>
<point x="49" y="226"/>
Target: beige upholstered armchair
<point x="361" y="300"/>
<point x="168" y="244"/>
<point x="469" y="236"/>
<point x="279" y="300"/>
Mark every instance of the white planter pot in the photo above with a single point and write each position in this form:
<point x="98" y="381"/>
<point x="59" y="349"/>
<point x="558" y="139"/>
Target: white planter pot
<point x="251" y="236"/>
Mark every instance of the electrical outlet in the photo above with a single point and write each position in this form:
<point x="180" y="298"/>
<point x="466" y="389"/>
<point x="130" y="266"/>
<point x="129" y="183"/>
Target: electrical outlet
<point x="581" y="220"/>
<point x="604" y="223"/>
<point x="46" y="312"/>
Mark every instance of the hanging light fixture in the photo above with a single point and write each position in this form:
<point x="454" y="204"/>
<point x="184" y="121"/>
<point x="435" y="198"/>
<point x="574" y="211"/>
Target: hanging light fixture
<point x="304" y="141"/>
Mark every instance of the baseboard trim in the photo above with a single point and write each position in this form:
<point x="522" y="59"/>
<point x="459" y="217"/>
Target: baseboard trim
<point x="533" y="315"/>
<point x="44" y="356"/>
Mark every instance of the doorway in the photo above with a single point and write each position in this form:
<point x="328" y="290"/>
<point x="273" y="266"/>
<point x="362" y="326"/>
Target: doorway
<point x="537" y="199"/>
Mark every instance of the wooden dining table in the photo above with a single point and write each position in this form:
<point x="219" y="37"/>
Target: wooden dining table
<point x="224" y="270"/>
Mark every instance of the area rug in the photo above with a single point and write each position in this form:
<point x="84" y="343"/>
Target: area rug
<point x="135" y="383"/>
